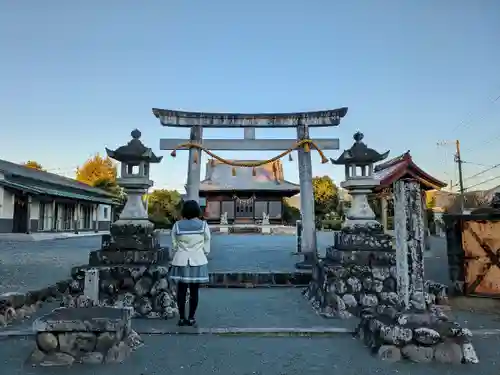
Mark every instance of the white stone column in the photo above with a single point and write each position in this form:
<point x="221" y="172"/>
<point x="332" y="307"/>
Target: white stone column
<point x="309" y="247"/>
<point x="409" y="233"/>
<point x="194" y="169"/>
<point x="383" y="209"/>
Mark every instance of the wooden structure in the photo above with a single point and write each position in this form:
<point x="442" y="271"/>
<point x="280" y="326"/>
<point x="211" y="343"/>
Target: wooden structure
<point x="393" y="170"/>
<point x="245" y="194"/>
<point x="473" y="245"/>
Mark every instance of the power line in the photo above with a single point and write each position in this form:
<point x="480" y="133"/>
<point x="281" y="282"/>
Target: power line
<point x="483" y="182"/>
<point x="480" y="172"/>
<point x="469" y="122"/>
<point x="478" y="164"/>
<point x="483" y="171"/>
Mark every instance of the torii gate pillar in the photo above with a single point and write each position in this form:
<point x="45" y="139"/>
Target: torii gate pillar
<point x="309" y="241"/>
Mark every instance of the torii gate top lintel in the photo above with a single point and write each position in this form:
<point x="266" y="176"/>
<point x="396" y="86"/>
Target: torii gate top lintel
<point x="323" y="118"/>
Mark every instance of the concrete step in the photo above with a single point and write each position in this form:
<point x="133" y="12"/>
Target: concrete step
<point x="259" y="279"/>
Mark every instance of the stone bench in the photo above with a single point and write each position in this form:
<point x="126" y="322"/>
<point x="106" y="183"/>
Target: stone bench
<point x="90" y="335"/>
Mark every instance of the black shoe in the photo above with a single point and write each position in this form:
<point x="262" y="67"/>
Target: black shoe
<point x="191" y="322"/>
<point x="182" y="322"/>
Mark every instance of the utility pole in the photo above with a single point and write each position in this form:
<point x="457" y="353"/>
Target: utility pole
<point x="458" y="160"/>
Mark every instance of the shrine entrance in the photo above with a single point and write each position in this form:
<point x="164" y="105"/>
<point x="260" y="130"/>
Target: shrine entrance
<point x="301" y="121"/>
<point x="244" y="208"/>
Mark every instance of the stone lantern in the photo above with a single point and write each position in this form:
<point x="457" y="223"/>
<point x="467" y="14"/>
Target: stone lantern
<point x="135" y="159"/>
<point x="133" y="223"/>
<point x="359" y="181"/>
<point x="361" y="230"/>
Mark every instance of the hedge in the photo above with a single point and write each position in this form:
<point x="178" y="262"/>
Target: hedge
<point x="331" y="224"/>
<point x="161" y="222"/>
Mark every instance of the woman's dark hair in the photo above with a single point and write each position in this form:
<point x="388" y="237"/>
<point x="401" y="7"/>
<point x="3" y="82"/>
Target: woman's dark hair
<point x="191" y="210"/>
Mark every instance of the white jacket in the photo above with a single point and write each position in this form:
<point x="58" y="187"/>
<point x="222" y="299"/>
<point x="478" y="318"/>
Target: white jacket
<point x="190" y="243"/>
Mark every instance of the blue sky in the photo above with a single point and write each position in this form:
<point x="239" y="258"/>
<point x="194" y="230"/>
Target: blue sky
<point x="76" y="77"/>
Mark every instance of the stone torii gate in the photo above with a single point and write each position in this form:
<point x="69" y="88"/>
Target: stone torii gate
<point x="302" y="121"/>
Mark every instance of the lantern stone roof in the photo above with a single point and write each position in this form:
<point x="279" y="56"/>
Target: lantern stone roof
<point x="134" y="151"/>
<point x="404" y="166"/>
<point x="269" y="177"/>
<point x="359" y="153"/>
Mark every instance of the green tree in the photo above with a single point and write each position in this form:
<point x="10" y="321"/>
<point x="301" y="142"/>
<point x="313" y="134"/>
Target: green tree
<point x="98" y="170"/>
<point x="290" y="213"/>
<point x="164" y="204"/>
<point x="34" y="165"/>
<point x="326" y="198"/>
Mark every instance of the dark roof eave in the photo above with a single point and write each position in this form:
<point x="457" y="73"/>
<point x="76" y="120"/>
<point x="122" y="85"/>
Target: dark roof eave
<point x="12" y="169"/>
<point x="148" y="155"/>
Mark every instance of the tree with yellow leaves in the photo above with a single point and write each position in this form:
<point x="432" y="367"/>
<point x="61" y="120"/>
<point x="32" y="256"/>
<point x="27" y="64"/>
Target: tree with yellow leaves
<point x="97" y="171"/>
<point x="33" y="165"/>
<point x="325" y="195"/>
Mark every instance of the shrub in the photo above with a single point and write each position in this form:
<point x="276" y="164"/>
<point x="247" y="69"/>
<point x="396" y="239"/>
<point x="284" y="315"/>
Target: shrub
<point x="161" y="222"/>
<point x="331" y="224"/>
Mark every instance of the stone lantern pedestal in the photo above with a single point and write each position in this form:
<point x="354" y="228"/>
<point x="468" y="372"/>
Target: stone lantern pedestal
<point x="131" y="268"/>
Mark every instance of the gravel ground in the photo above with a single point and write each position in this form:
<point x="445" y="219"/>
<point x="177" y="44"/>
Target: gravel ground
<point x="186" y="355"/>
<point x="33" y="265"/>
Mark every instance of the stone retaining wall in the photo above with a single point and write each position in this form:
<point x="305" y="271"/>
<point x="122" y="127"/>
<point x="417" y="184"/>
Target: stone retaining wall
<point x="17" y="306"/>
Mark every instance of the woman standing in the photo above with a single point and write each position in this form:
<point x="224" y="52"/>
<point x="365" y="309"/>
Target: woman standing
<point x="190" y="247"/>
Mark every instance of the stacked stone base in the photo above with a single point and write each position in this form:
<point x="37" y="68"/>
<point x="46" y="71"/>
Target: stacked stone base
<point x="146" y="290"/>
<point x="346" y="282"/>
<point x="417" y="336"/>
<point x="340" y="288"/>
<point x="363" y="284"/>
<point x="90" y="336"/>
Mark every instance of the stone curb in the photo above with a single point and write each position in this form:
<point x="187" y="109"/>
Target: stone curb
<point x="233" y="331"/>
<point x="276" y="332"/>
<point x="252" y="286"/>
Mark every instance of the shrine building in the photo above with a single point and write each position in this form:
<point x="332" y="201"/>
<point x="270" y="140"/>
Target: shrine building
<point x="393" y="170"/>
<point x="245" y="193"/>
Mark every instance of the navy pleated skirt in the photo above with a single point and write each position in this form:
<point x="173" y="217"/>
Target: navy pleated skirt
<point x="189" y="274"/>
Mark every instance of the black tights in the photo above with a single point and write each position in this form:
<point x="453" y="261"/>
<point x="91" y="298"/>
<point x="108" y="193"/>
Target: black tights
<point x="193" y="298"/>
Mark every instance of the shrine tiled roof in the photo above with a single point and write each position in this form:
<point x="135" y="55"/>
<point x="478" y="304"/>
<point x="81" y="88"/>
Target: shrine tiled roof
<point x="222" y="177"/>
<point x="403" y="166"/>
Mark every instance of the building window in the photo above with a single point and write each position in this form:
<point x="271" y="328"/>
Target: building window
<point x="105" y="213"/>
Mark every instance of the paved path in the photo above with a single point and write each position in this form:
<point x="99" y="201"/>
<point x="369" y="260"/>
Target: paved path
<point x="32" y="265"/>
<point x="194" y="355"/>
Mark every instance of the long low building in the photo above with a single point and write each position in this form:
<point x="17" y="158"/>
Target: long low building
<point x="37" y="201"/>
